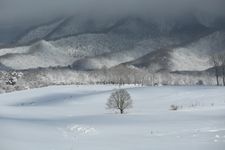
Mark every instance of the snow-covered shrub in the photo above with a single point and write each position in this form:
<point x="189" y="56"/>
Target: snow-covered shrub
<point x="200" y="82"/>
<point x="11" y="81"/>
<point x="12" y="77"/>
<point x="174" y="107"/>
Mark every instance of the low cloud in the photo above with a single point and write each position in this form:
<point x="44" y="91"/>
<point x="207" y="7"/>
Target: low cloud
<point x="22" y="10"/>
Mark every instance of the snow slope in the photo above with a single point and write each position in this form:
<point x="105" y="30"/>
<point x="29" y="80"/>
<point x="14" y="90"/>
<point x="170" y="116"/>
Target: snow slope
<point x="16" y="50"/>
<point x="76" y="47"/>
<point x="39" y="33"/>
<point x="115" y="58"/>
<point x="74" y="117"/>
<point x="41" y="54"/>
<point x="184" y="59"/>
<point x="195" y="56"/>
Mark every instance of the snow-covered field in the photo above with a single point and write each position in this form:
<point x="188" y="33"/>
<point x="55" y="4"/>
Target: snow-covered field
<point x="75" y="118"/>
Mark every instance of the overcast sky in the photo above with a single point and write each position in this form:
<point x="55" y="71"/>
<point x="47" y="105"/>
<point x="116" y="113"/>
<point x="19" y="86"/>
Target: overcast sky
<point x="13" y="10"/>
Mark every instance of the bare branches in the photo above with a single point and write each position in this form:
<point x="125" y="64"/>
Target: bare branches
<point x="120" y="99"/>
<point x="218" y="61"/>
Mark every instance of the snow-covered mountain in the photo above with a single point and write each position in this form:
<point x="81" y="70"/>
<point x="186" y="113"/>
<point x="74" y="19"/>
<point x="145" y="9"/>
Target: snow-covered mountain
<point x="177" y="44"/>
<point x="193" y="56"/>
<point x="41" y="54"/>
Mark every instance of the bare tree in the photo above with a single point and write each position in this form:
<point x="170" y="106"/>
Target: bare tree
<point x="223" y="66"/>
<point x="216" y="62"/>
<point x="120" y="99"/>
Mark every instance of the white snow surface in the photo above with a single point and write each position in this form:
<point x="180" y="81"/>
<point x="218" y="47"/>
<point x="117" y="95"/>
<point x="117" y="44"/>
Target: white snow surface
<point x="115" y="58"/>
<point x="195" y="56"/>
<point x="16" y="50"/>
<point x="186" y="59"/>
<point x="41" y="54"/>
<point x="75" y="118"/>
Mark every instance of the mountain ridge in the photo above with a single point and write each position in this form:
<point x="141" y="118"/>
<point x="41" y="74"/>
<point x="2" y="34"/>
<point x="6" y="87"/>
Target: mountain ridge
<point x="93" y="45"/>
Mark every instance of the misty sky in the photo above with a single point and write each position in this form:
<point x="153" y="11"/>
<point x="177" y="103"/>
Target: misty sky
<point x="14" y="10"/>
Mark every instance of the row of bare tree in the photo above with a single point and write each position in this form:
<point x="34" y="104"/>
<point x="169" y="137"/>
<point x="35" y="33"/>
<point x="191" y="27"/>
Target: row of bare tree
<point x="218" y="62"/>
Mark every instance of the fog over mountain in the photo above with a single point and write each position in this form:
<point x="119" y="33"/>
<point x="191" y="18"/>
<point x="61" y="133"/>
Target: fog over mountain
<point x="24" y="10"/>
<point x="16" y="16"/>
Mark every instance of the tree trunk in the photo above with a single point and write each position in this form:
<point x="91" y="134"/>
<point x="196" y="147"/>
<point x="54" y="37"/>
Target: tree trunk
<point x="217" y="77"/>
<point x="121" y="111"/>
<point x="223" y="75"/>
<point x="217" y="80"/>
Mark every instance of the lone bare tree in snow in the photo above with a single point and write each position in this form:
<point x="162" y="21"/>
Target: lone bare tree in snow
<point x="120" y="99"/>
